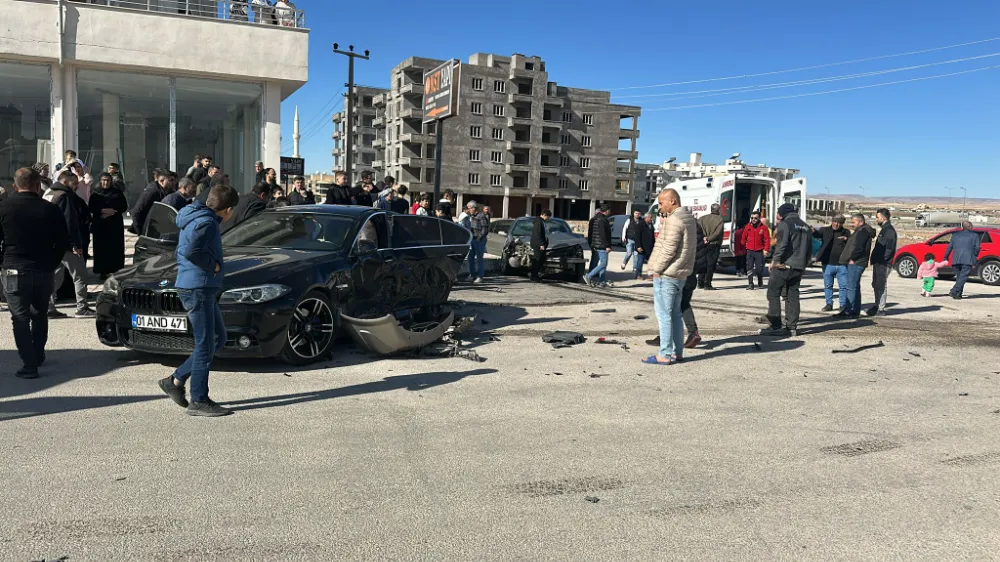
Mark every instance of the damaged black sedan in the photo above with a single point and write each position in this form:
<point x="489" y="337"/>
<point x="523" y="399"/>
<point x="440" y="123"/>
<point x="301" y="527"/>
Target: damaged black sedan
<point x="509" y="240"/>
<point x="296" y="278"/>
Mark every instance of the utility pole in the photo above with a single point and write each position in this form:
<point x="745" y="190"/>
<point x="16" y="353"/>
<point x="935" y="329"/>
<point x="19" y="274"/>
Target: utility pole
<point x="965" y="199"/>
<point x="351" y="55"/>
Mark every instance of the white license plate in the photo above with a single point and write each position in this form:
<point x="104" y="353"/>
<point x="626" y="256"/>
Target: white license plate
<point x="160" y="323"/>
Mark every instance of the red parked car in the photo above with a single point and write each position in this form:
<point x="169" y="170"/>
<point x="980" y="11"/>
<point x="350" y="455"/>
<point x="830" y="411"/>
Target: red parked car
<point x="909" y="257"/>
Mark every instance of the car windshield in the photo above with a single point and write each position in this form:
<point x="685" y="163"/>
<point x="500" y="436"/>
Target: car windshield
<point x="552" y="226"/>
<point x="292" y="231"/>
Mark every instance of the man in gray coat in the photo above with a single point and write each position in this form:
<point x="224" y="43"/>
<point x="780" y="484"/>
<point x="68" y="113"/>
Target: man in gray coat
<point x="964" y="252"/>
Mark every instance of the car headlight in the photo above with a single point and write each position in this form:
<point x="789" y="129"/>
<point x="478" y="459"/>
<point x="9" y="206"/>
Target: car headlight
<point x="578" y="251"/>
<point x="253" y="295"/>
<point x="110" y="286"/>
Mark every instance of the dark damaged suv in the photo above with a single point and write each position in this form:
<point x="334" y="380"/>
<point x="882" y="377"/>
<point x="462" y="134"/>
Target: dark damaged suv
<point x="294" y="278"/>
<point x="509" y="240"/>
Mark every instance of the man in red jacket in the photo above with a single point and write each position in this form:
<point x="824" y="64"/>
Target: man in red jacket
<point x="757" y="241"/>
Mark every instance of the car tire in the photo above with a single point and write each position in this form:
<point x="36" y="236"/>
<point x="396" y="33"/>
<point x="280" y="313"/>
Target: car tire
<point x="311" y="331"/>
<point x="989" y="272"/>
<point x="505" y="267"/>
<point x="906" y="267"/>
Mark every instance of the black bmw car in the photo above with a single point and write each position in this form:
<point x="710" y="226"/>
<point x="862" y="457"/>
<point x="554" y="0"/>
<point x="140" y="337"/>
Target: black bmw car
<point x="295" y="277"/>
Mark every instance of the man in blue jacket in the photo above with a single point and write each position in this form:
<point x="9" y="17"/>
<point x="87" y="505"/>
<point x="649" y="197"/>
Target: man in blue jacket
<point x="965" y="245"/>
<point x="199" y="280"/>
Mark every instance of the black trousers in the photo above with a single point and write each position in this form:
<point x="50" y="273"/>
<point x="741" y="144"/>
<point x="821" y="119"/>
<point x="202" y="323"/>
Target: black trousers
<point x="783" y="279"/>
<point x="741" y="264"/>
<point x="755" y="266"/>
<point x="880" y="278"/>
<point x="537" y="260"/>
<point x="28" y="295"/>
<point x="711" y="260"/>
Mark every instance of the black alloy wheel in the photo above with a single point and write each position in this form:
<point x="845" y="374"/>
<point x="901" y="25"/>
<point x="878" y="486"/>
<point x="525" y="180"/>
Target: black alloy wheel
<point x="311" y="330"/>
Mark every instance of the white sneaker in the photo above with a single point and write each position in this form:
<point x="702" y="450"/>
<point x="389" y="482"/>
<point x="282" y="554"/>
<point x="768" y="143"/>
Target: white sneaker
<point x="477" y="280"/>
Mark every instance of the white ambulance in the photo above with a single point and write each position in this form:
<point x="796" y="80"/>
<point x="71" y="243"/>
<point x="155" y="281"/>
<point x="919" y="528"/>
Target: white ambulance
<point x="738" y="195"/>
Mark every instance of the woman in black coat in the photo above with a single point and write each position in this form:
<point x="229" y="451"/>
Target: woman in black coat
<point x="108" y="206"/>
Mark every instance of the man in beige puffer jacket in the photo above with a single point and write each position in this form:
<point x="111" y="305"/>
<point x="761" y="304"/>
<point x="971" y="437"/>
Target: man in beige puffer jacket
<point x="671" y="262"/>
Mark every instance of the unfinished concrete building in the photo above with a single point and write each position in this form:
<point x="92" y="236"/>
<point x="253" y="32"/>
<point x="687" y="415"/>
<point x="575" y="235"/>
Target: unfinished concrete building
<point x="368" y="129"/>
<point x="520" y="143"/>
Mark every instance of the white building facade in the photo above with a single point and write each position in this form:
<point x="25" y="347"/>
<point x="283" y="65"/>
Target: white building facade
<point x="146" y="84"/>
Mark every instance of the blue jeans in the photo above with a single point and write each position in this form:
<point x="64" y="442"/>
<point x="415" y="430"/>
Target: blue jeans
<point x="209" y="331"/>
<point x="831" y="271"/>
<point x="667" y="293"/>
<point x="852" y="305"/>
<point x="602" y="266"/>
<point x="962" y="272"/>
<point x="629" y="251"/>
<point x="637" y="262"/>
<point x="477" y="265"/>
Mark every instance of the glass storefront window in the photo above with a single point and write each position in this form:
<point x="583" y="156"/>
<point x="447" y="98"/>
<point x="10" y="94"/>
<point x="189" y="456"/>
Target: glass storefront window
<point x="124" y="118"/>
<point x="221" y="120"/>
<point x="25" y="117"/>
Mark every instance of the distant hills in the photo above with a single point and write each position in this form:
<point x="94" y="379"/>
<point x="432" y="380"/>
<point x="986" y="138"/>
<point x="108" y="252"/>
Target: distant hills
<point x="931" y="201"/>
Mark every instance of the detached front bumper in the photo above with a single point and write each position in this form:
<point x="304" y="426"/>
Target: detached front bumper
<point x="251" y="330"/>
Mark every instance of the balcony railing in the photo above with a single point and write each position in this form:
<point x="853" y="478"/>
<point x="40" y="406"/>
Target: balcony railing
<point x="263" y="12"/>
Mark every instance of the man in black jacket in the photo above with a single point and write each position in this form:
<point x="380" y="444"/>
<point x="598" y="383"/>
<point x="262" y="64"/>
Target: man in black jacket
<point x="250" y="205"/>
<point x="76" y="216"/>
<point x="629" y="234"/>
<point x="205" y="183"/>
<point x="855" y="256"/>
<point x="336" y="194"/>
<point x="645" y="238"/>
<point x="183" y="196"/>
<point x="833" y="238"/>
<point x="792" y="250"/>
<point x="154" y="193"/>
<point x="882" y="256"/>
<point x="34" y="237"/>
<point x="599" y="238"/>
<point x="713" y="226"/>
<point x="539" y="243"/>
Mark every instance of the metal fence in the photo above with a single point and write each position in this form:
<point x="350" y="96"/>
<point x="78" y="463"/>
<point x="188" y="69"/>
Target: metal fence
<point x="264" y="12"/>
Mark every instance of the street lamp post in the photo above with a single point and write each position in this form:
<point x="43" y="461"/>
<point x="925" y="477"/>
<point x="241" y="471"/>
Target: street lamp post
<point x="965" y="199"/>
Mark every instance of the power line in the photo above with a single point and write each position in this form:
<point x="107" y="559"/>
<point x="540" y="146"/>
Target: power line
<point x="740" y="89"/>
<point x="822" y="93"/>
<point x="813" y="67"/>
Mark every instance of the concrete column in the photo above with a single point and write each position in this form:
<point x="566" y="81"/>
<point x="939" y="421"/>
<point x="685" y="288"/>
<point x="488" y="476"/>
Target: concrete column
<point x="529" y="203"/>
<point x="593" y="207"/>
<point x="110" y="128"/>
<point x="628" y="208"/>
<point x="552" y="204"/>
<point x="506" y="207"/>
<point x="58" y="119"/>
<point x="271" y="150"/>
<point x="459" y="203"/>
<point x="71" y="127"/>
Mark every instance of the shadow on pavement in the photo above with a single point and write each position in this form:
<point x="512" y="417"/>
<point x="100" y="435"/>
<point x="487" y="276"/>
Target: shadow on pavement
<point x="411" y="383"/>
<point x="30" y="407"/>
<point x="766" y="345"/>
<point x="61" y="366"/>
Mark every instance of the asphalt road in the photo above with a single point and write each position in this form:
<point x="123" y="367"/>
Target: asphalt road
<point x="786" y="452"/>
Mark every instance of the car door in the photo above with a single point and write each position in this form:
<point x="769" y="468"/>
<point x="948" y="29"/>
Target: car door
<point x="160" y="233"/>
<point x="421" y="261"/>
<point x="497" y="239"/>
<point x="372" y="270"/>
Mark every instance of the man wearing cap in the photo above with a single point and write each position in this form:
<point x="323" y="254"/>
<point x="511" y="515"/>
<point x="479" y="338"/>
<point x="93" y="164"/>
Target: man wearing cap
<point x="712" y="227"/>
<point x="833" y="239"/>
<point x="792" y="249"/>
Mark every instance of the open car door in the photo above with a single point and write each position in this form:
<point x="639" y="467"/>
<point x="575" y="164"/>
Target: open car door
<point x="159" y="235"/>
<point x="794" y="191"/>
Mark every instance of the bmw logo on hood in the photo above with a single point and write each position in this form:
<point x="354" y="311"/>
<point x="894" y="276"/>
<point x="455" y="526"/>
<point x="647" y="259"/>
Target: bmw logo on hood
<point x="164" y="283"/>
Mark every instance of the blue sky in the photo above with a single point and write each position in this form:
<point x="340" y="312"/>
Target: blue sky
<point x="913" y="138"/>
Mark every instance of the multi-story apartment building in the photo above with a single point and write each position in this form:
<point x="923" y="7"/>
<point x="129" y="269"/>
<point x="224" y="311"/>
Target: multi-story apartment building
<point x="147" y="84"/>
<point x="368" y="131"/>
<point x="650" y="179"/>
<point x="519" y="143"/>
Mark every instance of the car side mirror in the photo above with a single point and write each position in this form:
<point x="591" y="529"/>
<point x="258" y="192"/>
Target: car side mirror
<point x="366" y="247"/>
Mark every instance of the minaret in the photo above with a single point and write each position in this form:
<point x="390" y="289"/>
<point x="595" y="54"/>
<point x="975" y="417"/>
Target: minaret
<point x="295" y="134"/>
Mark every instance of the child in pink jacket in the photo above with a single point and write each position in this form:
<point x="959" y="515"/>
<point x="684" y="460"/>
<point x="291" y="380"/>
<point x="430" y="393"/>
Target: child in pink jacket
<point x="928" y="272"/>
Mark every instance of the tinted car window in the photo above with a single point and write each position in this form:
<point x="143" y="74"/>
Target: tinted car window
<point x="454" y="235"/>
<point x="375" y="230"/>
<point x="411" y="231"/>
<point x="161" y="221"/>
<point x="943" y="239"/>
<point x="523" y="227"/>
<point x="986" y="238"/>
<point x="293" y="231"/>
<point x="497" y="226"/>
